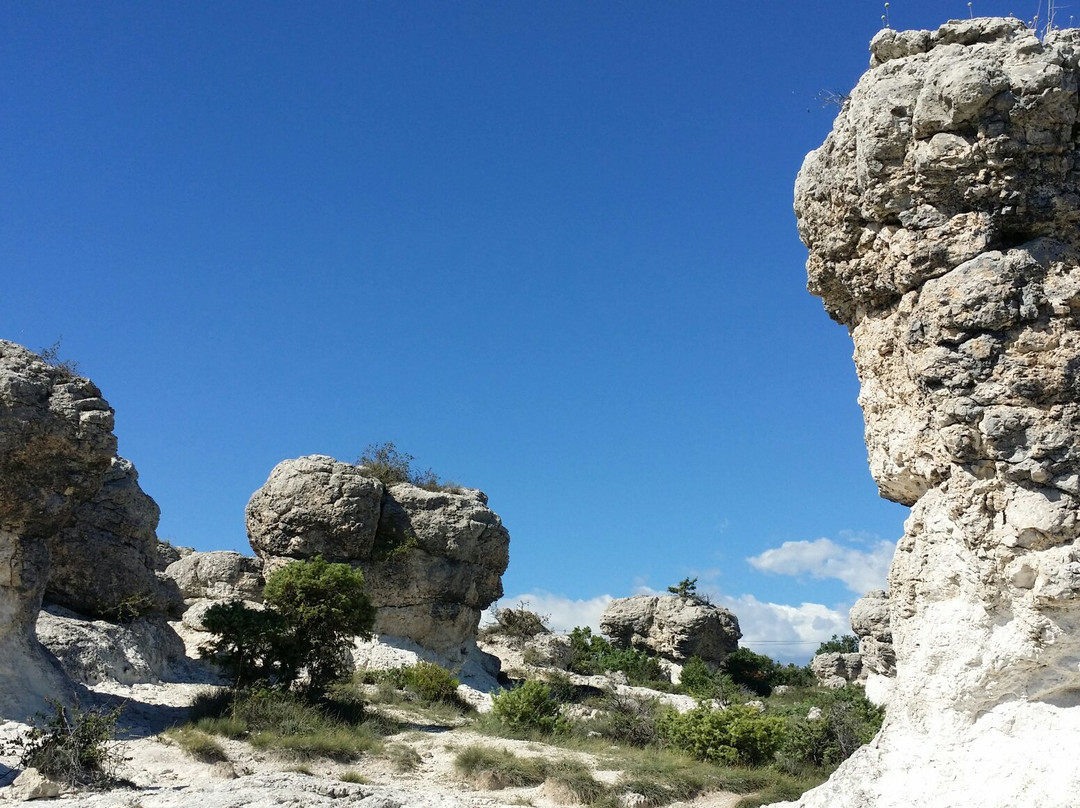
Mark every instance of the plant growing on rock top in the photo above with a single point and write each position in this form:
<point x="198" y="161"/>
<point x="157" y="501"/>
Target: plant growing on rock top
<point x="844" y="644"/>
<point x="389" y="465"/>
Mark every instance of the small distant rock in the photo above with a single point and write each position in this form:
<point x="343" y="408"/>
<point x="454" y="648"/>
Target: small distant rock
<point x="835" y="669"/>
<point x="675" y="628"/>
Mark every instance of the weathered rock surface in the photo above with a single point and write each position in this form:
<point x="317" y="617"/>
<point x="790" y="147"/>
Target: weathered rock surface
<point x="56" y="444"/>
<point x="104" y="563"/>
<point x="675" y="628"/>
<point x="941" y="216"/>
<point x="834" y="669"/>
<point x="145" y="649"/>
<point x="871" y="623"/>
<point x="432" y="560"/>
<point x="218" y="575"/>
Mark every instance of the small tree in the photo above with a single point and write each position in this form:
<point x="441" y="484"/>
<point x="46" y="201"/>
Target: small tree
<point x="844" y="644"/>
<point x="324" y="606"/>
<point x="314" y="609"/>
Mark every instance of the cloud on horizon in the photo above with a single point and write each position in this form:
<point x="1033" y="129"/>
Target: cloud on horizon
<point x="859" y="570"/>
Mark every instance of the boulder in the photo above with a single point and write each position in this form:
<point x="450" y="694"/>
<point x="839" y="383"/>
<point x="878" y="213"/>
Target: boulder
<point x="941" y="220"/>
<point x="218" y="575"/>
<point x="145" y="649"/>
<point x="835" y="669"/>
<point x="432" y="559"/>
<point x="104" y="563"/>
<point x="312" y="506"/>
<point x="673" y="627"/>
<point x="56" y="444"/>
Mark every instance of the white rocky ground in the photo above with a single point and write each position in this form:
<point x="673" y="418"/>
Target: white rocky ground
<point x="164" y="776"/>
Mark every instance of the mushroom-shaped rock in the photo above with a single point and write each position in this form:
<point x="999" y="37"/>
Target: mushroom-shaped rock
<point x="432" y="559"/>
<point x="673" y="627"/>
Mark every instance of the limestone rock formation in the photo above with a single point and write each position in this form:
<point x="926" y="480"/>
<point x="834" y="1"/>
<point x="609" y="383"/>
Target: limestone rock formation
<point x="312" y="506"/>
<point x="218" y="575"/>
<point x="145" y="649"/>
<point x="941" y="218"/>
<point x="432" y="560"/>
<point x="835" y="669"/>
<point x="104" y="563"/>
<point x="675" y="628"/>
<point x="56" y="444"/>
<point x="871" y="623"/>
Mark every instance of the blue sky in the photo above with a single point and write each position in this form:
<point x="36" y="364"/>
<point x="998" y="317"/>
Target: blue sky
<point x="547" y="248"/>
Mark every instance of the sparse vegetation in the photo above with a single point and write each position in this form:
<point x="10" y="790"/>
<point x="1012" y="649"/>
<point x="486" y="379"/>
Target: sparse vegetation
<point x="51" y="356"/>
<point x="389" y="465"/>
<point x="518" y="624"/>
<point x="687" y="589"/>
<point x="274" y="719"/>
<point x="197" y="743"/>
<point x="74" y="746"/>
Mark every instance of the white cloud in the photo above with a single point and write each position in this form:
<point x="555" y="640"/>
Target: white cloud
<point x="564" y="613"/>
<point x="860" y="570"/>
<point x="787" y="633"/>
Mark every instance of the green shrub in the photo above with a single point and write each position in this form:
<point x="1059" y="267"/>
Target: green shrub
<point x="313" y="611"/>
<point x="626" y="719"/>
<point x="430" y="683"/>
<point x="529" y="708"/>
<point x="246" y="642"/>
<point x="74" y="746"/>
<point x="848" y="720"/>
<point x="845" y="644"/>
<point x="736" y="734"/>
<point x="750" y="670"/>
<point x="590" y="655"/>
<point x="699" y="680"/>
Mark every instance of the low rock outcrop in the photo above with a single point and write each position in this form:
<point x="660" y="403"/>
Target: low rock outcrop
<point x="432" y="559"/>
<point x="835" y="669"/>
<point x="56" y="444"/>
<point x="675" y="628"/>
<point x="104" y="563"/>
<point x="941" y="217"/>
<point x="145" y="649"/>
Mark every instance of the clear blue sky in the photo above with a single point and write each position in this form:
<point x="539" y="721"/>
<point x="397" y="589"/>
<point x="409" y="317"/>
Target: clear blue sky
<point x="547" y="248"/>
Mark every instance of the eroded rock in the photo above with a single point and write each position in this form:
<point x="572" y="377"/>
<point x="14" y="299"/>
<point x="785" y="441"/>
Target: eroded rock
<point x="835" y="669"/>
<point x="672" y="627"/>
<point x="56" y="444"/>
<point x="941" y="217"/>
<point x="432" y="560"/>
<point x="104" y="563"/>
<point x="218" y="575"/>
